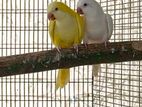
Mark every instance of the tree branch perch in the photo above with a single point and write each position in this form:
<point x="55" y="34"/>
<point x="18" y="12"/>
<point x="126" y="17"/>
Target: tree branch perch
<point x="48" y="60"/>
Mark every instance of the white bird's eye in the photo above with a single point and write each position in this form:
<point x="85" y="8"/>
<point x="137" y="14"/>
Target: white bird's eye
<point x="56" y="9"/>
<point x="85" y="4"/>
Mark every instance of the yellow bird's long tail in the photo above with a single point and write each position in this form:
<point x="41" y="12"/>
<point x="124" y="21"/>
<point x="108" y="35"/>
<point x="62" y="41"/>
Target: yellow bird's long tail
<point x="62" y="78"/>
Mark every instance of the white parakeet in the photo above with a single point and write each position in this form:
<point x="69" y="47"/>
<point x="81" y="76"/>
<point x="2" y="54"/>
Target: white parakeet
<point x="99" y="26"/>
<point x="66" y="28"/>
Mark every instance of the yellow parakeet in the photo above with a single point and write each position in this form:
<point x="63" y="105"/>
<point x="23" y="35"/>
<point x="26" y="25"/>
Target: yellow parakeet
<point x="66" y="29"/>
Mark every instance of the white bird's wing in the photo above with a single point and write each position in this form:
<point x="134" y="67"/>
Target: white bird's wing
<point x="109" y="22"/>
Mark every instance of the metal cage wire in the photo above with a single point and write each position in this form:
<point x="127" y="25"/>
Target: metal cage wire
<point x="24" y="29"/>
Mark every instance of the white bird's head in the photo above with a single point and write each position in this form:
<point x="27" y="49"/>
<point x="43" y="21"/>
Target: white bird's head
<point x="87" y="6"/>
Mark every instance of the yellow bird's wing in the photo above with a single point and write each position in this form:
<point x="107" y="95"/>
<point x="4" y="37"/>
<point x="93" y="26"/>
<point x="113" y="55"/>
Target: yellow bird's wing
<point x="52" y="30"/>
<point x="54" y="35"/>
<point x="81" y="28"/>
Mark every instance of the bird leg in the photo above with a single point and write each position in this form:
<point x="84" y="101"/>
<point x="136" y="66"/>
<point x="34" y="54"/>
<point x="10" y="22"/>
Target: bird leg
<point x="106" y="42"/>
<point x="86" y="45"/>
<point x="58" y="54"/>
<point x="76" y="48"/>
<point x="58" y="50"/>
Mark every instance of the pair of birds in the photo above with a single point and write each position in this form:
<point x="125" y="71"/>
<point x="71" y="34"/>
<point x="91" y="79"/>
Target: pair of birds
<point x="68" y="28"/>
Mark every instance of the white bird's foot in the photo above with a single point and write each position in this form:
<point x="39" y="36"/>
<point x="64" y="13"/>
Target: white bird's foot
<point x="106" y="43"/>
<point x="86" y="45"/>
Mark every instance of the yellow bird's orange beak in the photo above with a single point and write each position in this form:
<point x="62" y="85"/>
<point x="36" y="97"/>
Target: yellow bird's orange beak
<point x="79" y="10"/>
<point x="51" y="16"/>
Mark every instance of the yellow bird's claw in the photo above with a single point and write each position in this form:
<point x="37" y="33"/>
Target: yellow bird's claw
<point x="58" y="50"/>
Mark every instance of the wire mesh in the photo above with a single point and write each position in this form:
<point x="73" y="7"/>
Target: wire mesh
<point x="24" y="29"/>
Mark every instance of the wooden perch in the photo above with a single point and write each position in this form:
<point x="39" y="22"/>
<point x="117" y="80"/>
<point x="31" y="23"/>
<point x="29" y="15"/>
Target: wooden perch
<point x="49" y="60"/>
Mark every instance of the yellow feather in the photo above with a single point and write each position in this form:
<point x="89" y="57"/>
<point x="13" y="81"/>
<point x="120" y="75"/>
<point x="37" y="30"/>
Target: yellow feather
<point x="65" y="31"/>
<point x="62" y="78"/>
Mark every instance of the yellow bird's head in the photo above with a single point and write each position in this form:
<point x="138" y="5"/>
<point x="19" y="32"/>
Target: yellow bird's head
<point x="58" y="10"/>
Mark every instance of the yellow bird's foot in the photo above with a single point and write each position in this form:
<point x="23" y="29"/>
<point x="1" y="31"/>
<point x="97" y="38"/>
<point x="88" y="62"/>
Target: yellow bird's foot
<point x="58" y="50"/>
<point x="76" y="49"/>
<point x="58" y="55"/>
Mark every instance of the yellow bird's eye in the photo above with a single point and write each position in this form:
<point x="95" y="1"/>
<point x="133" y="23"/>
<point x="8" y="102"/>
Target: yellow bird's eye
<point x="56" y="9"/>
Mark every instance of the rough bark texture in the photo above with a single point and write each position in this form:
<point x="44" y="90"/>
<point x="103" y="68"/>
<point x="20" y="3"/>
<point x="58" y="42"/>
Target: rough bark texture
<point x="48" y="60"/>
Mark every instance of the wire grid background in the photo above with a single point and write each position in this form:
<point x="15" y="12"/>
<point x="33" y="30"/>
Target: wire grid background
<point x="23" y="29"/>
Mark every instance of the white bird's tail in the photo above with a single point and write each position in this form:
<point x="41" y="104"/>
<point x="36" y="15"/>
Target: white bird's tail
<point x="96" y="69"/>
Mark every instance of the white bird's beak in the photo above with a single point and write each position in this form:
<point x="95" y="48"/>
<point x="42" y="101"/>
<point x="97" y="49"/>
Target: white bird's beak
<point x="79" y="10"/>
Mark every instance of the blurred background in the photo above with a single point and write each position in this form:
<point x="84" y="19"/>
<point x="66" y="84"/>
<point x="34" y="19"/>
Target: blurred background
<point x="24" y="29"/>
